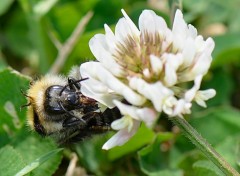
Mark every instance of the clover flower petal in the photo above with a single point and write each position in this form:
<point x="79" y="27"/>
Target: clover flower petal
<point x="203" y="95"/>
<point x="122" y="136"/>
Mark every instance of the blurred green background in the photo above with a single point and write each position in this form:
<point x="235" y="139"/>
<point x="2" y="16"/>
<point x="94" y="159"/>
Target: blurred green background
<point x="29" y="32"/>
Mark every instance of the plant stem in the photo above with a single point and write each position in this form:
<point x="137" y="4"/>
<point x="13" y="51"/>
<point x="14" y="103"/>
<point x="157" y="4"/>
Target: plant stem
<point x="67" y="47"/>
<point x="204" y="146"/>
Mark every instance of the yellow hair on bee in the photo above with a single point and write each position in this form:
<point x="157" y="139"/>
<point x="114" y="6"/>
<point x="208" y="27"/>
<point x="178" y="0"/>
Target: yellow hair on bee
<point x="36" y="94"/>
<point x="75" y="73"/>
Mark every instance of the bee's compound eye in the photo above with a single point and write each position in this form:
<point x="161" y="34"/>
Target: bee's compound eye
<point x="72" y="99"/>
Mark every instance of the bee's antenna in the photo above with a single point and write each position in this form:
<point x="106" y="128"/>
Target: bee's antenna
<point x="23" y="106"/>
<point x="72" y="83"/>
<point x="31" y="83"/>
<point x="24" y="94"/>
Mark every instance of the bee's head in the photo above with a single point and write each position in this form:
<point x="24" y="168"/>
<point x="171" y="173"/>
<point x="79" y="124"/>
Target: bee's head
<point x="58" y="100"/>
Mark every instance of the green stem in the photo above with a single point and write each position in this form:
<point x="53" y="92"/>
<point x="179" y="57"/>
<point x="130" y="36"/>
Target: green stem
<point x="204" y="146"/>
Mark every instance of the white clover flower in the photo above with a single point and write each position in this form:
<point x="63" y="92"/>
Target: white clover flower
<point x="147" y="66"/>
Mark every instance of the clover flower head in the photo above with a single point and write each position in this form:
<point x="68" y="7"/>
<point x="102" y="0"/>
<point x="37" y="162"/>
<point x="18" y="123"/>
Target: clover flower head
<point x="147" y="66"/>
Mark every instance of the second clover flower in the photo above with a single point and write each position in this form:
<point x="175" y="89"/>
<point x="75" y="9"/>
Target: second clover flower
<point x="147" y="67"/>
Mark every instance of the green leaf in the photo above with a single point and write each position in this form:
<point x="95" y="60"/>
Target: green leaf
<point x="16" y="35"/>
<point x="32" y="146"/>
<point x="4" y="5"/>
<point x="143" y="136"/>
<point x="225" y="42"/>
<point x="167" y="173"/>
<point x="206" y="168"/>
<point x="207" y="12"/>
<point x="216" y="125"/>
<point x="230" y="150"/>
<point x="152" y="159"/>
<point x="11" y="161"/>
<point x="11" y="98"/>
<point x="227" y="50"/>
<point x="187" y="160"/>
<point x="36" y="163"/>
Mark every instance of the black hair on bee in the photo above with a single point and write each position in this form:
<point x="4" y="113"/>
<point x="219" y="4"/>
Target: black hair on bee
<point x="58" y="109"/>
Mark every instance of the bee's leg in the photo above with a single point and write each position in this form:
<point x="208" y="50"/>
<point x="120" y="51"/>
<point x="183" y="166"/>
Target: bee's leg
<point x="109" y="115"/>
<point x="95" y="123"/>
<point x="73" y="121"/>
<point x="102" y="118"/>
<point x="92" y="118"/>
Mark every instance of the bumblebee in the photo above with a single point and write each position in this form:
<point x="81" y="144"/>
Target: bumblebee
<point x="58" y="109"/>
